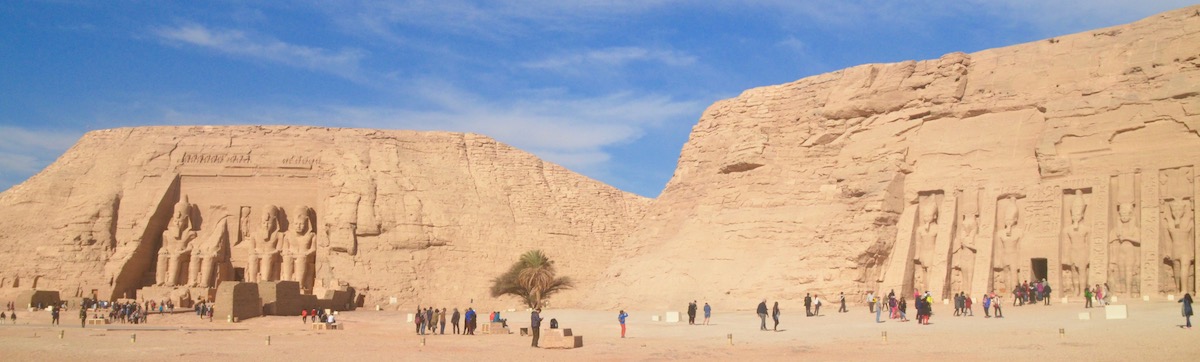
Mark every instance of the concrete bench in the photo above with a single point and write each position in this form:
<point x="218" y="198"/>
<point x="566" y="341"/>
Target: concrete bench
<point x="325" y="326"/>
<point x="97" y="321"/>
<point x="493" y="328"/>
<point x="562" y="338"/>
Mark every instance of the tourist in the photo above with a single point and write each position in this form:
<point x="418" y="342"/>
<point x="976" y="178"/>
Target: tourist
<point x="621" y="318"/>
<point x="429" y="319"/>
<point x="775" y="316"/>
<point x="454" y="321"/>
<point x="692" y="309"/>
<point x="82" y="317"/>
<point x="1099" y="295"/>
<point x="816" y="305"/>
<point x="807" y="305"/>
<point x="13" y="317"/>
<point x="920" y="304"/>
<point x="1046" y="292"/>
<point x="433" y="320"/>
<point x="967" y="304"/>
<point x="442" y="321"/>
<point x="3" y="317"/>
<point x="842" y="300"/>
<point x="417" y="320"/>
<point x="707" y="313"/>
<point x="892" y="308"/>
<point x="871" y="301"/>
<point x="329" y="320"/>
<point x="1107" y="294"/>
<point x="535" y="325"/>
<point x="54" y="315"/>
<point x="762" y="314"/>
<point x="903" y="310"/>
<point x="877" y="305"/>
<point x="1087" y="297"/>
<point x="1187" y="309"/>
<point x="303" y="316"/>
<point x="496" y="318"/>
<point x="996" y="305"/>
<point x="470" y="318"/>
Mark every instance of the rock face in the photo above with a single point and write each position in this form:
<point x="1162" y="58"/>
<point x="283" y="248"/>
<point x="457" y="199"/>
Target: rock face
<point x="422" y="217"/>
<point x="1072" y="159"/>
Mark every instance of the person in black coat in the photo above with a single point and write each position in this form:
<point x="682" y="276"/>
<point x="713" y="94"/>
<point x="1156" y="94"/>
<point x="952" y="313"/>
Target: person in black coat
<point x="1187" y="309"/>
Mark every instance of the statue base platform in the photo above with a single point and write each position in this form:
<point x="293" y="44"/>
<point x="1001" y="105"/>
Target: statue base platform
<point x="182" y="296"/>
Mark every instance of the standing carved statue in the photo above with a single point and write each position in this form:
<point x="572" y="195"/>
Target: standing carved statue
<point x="301" y="247"/>
<point x="1123" y="248"/>
<point x="963" y="249"/>
<point x="926" y="235"/>
<point x="1178" y="219"/>
<point x="1074" y="247"/>
<point x="265" y="247"/>
<point x="176" y="244"/>
<point x="1008" y="235"/>
<point x="211" y="252"/>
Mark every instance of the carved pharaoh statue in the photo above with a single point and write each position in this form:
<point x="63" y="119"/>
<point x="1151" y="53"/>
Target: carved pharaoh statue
<point x="176" y="244"/>
<point x="1177" y="217"/>
<point x="1123" y="244"/>
<point x="1008" y="237"/>
<point x="926" y="239"/>
<point x="210" y="254"/>
<point x="963" y="249"/>
<point x="1074" y="247"/>
<point x="301" y="247"/>
<point x="265" y="247"/>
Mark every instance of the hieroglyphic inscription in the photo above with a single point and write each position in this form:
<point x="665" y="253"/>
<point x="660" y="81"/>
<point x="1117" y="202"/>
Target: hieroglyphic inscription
<point x="1149" y="279"/>
<point x="215" y="158"/>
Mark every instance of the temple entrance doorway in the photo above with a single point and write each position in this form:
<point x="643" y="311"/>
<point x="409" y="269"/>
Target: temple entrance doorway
<point x="1038" y="266"/>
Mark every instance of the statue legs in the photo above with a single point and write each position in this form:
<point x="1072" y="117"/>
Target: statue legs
<point x="206" y="271"/>
<point x="288" y="268"/>
<point x="252" y="273"/>
<point x="268" y="268"/>
<point x="160" y="273"/>
<point x="173" y="269"/>
<point x="194" y="272"/>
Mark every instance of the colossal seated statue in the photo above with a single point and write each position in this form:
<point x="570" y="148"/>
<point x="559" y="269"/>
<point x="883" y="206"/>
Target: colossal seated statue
<point x="176" y="244"/>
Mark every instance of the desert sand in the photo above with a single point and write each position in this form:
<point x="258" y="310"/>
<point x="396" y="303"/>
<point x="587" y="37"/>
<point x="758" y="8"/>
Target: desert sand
<point x="1152" y="333"/>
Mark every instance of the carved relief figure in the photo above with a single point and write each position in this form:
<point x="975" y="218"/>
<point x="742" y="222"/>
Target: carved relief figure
<point x="1177" y="216"/>
<point x="963" y="249"/>
<point x="176" y="244"/>
<point x="1008" y="238"/>
<point x="265" y="248"/>
<point x="210" y="254"/>
<point x="1073" y="248"/>
<point x="243" y="225"/>
<point x="925" y="239"/>
<point x="1124" y="242"/>
<point x="301" y="248"/>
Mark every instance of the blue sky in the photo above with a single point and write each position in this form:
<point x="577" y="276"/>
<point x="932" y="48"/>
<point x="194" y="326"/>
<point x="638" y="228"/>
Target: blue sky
<point x="609" y="89"/>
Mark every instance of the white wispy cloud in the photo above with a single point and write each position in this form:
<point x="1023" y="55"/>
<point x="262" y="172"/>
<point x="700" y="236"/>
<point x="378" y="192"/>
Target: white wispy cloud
<point x="612" y="57"/>
<point x="343" y="62"/>
<point x="25" y="151"/>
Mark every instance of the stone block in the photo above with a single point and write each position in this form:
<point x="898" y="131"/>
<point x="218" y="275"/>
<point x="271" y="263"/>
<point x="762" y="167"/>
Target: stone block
<point x="238" y="300"/>
<point x="672" y="317"/>
<point x="410" y="318"/>
<point x="655" y="318"/>
<point x="560" y="338"/>
<point x="326" y="326"/>
<point x="1064" y="300"/>
<point x="1084" y="316"/>
<point x="493" y="328"/>
<point x="280" y="298"/>
<point x="97" y="321"/>
<point x="1145" y="298"/>
<point x="1170" y="297"/>
<point x="34" y="298"/>
<point x="1115" y="312"/>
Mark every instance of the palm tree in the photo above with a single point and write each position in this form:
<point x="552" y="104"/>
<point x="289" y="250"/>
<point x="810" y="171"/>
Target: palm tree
<point x="531" y="278"/>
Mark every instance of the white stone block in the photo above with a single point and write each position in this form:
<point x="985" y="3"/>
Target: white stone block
<point x="672" y="317"/>
<point x="1084" y="316"/>
<point x="410" y="318"/>
<point x="391" y="300"/>
<point x="1145" y="298"/>
<point x="1116" y="312"/>
<point x="655" y="318"/>
<point x="1064" y="300"/>
<point x="1170" y="297"/>
<point x="945" y="302"/>
<point x="1114" y="300"/>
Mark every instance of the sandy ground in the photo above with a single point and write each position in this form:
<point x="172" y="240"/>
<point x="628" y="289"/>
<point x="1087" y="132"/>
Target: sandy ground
<point x="1152" y="333"/>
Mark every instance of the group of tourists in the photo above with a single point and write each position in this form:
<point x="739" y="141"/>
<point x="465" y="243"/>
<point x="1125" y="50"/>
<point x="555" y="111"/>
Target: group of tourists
<point x="762" y="314"/>
<point x="433" y="321"/>
<point x="318" y="316"/>
<point x="1099" y="293"/>
<point x="691" y="311"/>
<point x="1026" y="293"/>
<point x="204" y="309"/>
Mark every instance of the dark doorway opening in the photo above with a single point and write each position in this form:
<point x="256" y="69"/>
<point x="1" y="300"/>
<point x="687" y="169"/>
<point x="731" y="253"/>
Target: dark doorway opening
<point x="1039" y="268"/>
<point x="239" y="274"/>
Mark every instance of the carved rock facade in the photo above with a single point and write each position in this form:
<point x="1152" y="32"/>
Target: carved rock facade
<point x="421" y="217"/>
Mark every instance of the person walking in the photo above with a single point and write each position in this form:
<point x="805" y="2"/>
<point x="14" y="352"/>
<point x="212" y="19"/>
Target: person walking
<point x="968" y="302"/>
<point x="691" y="313"/>
<point x="1187" y="309"/>
<point x="775" y="316"/>
<point x="535" y="325"/>
<point x="808" y="305"/>
<point x="871" y="301"/>
<point x="903" y="310"/>
<point x="842" y="300"/>
<point x="1046" y="292"/>
<point x="816" y="305"/>
<point x="454" y="320"/>
<point x="762" y="314"/>
<point x="443" y="321"/>
<point x="304" y="316"/>
<point x="877" y="304"/>
<point x="1087" y="297"/>
<point x="996" y="305"/>
<point x="82" y="317"/>
<point x="54" y="315"/>
<point x="707" y="313"/>
<point x="987" y="304"/>
<point x="621" y="318"/>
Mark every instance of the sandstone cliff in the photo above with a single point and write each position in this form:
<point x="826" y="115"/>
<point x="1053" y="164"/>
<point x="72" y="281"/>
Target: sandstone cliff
<point x="873" y="177"/>
<point x="425" y="217"/>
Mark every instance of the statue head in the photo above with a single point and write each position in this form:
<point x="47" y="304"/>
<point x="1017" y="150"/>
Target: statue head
<point x="1009" y="213"/>
<point x="1177" y="206"/>
<point x="181" y="218"/>
<point x="1125" y="211"/>
<point x="270" y="220"/>
<point x="1077" y="208"/>
<point x="301" y="221"/>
